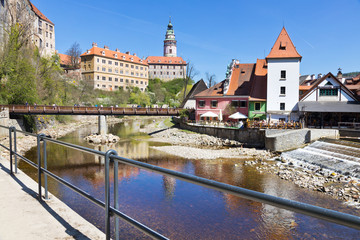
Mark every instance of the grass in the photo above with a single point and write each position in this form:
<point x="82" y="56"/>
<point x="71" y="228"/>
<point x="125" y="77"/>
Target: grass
<point x="168" y="123"/>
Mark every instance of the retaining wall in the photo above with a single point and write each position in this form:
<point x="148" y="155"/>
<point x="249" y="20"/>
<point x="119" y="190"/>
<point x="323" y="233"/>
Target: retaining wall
<point x="6" y="121"/>
<point x="250" y="137"/>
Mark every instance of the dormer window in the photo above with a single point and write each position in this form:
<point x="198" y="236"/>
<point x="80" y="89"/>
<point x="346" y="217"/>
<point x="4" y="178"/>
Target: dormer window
<point x="123" y="57"/>
<point x="88" y="51"/>
<point x="103" y="53"/>
<point x="169" y="61"/>
<point x="159" y="61"/>
<point x="132" y="59"/>
<point x="282" y="46"/>
<point x="141" y="60"/>
<point x="115" y="55"/>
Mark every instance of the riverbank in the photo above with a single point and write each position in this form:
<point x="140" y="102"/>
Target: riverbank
<point x="192" y="145"/>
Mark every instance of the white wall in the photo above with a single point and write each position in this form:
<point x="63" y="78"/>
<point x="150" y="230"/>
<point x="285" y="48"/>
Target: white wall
<point x="292" y="68"/>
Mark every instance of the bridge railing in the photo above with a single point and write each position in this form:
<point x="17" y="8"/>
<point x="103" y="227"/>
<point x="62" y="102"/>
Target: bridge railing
<point x="112" y="157"/>
<point x="89" y="110"/>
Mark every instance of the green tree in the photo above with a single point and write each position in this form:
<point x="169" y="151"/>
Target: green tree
<point x="139" y="98"/>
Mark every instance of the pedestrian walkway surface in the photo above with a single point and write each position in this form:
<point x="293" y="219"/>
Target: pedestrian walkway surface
<point x="22" y="216"/>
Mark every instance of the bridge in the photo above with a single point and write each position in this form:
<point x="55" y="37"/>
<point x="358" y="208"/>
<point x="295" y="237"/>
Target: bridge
<point x="74" y="110"/>
<point x="102" y="112"/>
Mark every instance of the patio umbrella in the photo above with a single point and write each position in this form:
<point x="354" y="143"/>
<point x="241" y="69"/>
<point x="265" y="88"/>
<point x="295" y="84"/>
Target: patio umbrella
<point x="209" y="114"/>
<point x="238" y="115"/>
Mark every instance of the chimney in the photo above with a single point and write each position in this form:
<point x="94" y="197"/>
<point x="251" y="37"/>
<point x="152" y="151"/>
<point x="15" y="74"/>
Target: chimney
<point x="312" y="76"/>
<point x="94" y="44"/>
<point x="106" y="47"/>
<point x="127" y="52"/>
<point x="320" y="76"/>
<point x="117" y="50"/>
<point x="134" y="54"/>
<point x="339" y="74"/>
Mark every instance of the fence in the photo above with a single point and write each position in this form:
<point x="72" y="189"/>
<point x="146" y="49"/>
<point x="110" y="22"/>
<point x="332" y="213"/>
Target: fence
<point x="111" y="156"/>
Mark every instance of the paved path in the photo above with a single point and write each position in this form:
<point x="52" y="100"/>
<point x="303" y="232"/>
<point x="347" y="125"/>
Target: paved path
<point x="22" y="216"/>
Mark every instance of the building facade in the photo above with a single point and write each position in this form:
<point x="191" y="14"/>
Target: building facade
<point x="36" y="25"/>
<point x="169" y="66"/>
<point x="283" y="64"/>
<point x="110" y="70"/>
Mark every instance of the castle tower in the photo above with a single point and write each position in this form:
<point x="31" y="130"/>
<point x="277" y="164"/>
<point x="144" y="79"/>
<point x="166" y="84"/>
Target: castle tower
<point x="283" y="79"/>
<point x="170" y="42"/>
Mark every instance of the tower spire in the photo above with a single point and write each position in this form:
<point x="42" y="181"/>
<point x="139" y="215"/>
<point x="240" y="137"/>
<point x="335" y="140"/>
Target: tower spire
<point x="170" y="42"/>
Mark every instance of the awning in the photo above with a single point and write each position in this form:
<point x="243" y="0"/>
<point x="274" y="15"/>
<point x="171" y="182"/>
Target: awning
<point x="353" y="107"/>
<point x="209" y="114"/>
<point x="238" y="115"/>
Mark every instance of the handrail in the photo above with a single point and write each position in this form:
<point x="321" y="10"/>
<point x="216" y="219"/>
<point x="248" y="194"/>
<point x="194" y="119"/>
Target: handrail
<point x="111" y="156"/>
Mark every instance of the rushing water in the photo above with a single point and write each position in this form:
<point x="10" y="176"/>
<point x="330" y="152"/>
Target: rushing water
<point x="335" y="156"/>
<point x="178" y="209"/>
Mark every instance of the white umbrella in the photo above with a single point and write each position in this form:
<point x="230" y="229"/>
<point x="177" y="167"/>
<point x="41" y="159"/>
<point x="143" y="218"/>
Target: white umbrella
<point x="209" y="114"/>
<point x="238" y="115"/>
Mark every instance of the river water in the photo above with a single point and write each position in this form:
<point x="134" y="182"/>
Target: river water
<point x="180" y="210"/>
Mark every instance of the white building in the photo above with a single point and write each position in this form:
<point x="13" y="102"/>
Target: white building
<point x="283" y="79"/>
<point x="169" y="66"/>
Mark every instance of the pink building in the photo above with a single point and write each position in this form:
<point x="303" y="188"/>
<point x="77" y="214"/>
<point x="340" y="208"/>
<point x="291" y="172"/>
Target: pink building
<point x="228" y="96"/>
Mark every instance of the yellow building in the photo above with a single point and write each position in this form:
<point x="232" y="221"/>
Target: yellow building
<point x="110" y="70"/>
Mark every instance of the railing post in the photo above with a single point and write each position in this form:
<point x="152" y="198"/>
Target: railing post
<point x="116" y="197"/>
<point x="107" y="192"/>
<point x="11" y="151"/>
<point x="39" y="163"/>
<point x="45" y="167"/>
<point x="15" y="149"/>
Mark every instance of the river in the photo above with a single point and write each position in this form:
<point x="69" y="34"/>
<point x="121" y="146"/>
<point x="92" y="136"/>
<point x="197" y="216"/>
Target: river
<point x="180" y="210"/>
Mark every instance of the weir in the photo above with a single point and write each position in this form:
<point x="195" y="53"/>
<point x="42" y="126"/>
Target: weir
<point x="331" y="155"/>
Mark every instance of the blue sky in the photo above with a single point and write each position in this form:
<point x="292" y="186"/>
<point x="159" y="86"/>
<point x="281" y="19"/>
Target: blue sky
<point x="211" y="33"/>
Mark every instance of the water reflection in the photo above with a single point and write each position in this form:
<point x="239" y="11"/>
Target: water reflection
<point x="178" y="209"/>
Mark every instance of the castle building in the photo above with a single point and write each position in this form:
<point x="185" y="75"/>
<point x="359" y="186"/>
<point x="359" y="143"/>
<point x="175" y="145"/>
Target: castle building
<point x="39" y="27"/>
<point x="169" y="66"/>
<point x="110" y="70"/>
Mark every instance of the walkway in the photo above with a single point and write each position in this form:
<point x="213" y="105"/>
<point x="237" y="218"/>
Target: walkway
<point x="22" y="216"/>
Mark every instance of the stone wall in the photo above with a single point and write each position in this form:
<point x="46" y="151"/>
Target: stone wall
<point x="250" y="137"/>
<point x="7" y="122"/>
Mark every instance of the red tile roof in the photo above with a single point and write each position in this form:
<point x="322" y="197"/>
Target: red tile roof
<point x="259" y="83"/>
<point x="165" y="60"/>
<point x="64" y="59"/>
<point x="283" y="47"/>
<point x="240" y="82"/>
<point x="40" y="14"/>
<point x="112" y="54"/>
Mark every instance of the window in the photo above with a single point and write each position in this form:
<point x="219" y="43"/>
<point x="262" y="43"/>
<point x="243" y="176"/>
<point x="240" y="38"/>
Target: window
<point x="40" y="31"/>
<point x="116" y="71"/>
<point x="132" y="66"/>
<point x="121" y="64"/>
<point x="282" y="90"/>
<point x="121" y="80"/>
<point x="214" y="103"/>
<point x="98" y="68"/>
<point x="142" y="82"/>
<point x="243" y="104"/>
<point x="127" y="80"/>
<point x="174" y="73"/>
<point x="109" y="70"/>
<point x="51" y="28"/>
<point x="50" y="35"/>
<point x="328" y="92"/>
<point x="154" y="73"/>
<point x="141" y="68"/>
<point x="137" y="82"/>
<point x="104" y="69"/>
<point x="132" y="73"/>
<point x="132" y="81"/>
<point x="136" y="67"/>
<point x="50" y="45"/>
<point x="116" y="64"/>
<point x="126" y="65"/>
<point x="283" y="74"/>
<point x="110" y="62"/>
<point x="98" y="77"/>
<point x="104" y="78"/>
<point x="116" y="87"/>
<point x="47" y="34"/>
<point x="103" y="61"/>
<point x="97" y="60"/>
<point x="257" y="106"/>
<point x="282" y="106"/>
<point x="202" y="103"/>
<point x="47" y="44"/>
<point x="110" y="79"/>
<point x="104" y="86"/>
<point x="116" y="79"/>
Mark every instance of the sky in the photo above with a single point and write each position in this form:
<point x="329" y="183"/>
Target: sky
<point x="211" y="33"/>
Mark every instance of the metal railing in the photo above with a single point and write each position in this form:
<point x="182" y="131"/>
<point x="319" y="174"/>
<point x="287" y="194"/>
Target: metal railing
<point x="112" y="157"/>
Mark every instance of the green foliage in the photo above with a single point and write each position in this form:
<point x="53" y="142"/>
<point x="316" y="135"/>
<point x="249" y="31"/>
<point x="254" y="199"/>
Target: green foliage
<point x="170" y="93"/>
<point x="139" y="98"/>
